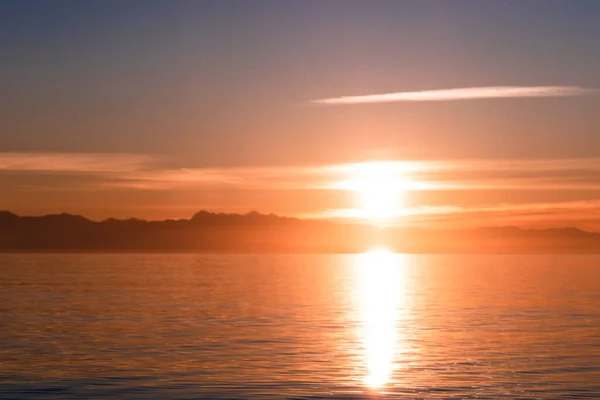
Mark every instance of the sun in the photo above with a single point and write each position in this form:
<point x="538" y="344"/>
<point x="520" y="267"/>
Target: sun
<point x="380" y="188"/>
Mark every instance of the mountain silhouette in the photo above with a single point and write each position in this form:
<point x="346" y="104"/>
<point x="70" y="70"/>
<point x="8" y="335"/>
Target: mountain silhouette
<point x="255" y="232"/>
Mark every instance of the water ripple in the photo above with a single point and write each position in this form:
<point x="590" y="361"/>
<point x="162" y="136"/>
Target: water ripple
<point x="299" y="327"/>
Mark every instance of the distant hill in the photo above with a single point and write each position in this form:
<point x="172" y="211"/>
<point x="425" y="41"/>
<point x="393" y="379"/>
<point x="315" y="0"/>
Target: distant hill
<point x="255" y="232"/>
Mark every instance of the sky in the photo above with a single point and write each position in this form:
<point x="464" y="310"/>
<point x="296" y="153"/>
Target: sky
<point x="157" y="109"/>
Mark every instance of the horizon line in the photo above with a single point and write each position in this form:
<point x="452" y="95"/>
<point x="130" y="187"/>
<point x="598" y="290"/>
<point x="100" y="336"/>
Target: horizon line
<point x="339" y="221"/>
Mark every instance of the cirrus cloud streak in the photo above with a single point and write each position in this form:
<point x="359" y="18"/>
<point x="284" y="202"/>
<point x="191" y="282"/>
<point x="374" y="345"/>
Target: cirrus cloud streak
<point x="471" y="93"/>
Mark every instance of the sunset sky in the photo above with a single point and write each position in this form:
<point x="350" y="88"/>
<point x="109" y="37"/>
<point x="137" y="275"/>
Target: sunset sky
<point x="455" y="113"/>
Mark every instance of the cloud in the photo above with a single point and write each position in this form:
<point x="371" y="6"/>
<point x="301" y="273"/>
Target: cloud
<point x="485" y="208"/>
<point x="73" y="162"/>
<point x="139" y="171"/>
<point x="271" y="177"/>
<point x="543" y="214"/>
<point x="451" y="175"/>
<point x="533" y="174"/>
<point x="490" y="92"/>
<point x="442" y="189"/>
<point x="145" y="172"/>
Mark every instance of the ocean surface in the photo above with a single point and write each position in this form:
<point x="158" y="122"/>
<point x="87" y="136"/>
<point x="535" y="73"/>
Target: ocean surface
<point x="373" y="325"/>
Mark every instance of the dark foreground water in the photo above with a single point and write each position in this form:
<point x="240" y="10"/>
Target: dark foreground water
<point x="375" y="325"/>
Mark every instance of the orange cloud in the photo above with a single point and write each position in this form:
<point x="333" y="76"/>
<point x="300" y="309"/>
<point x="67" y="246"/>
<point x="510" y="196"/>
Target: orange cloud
<point x="147" y="172"/>
<point x="581" y="213"/>
<point x="436" y="191"/>
<point x="73" y="162"/>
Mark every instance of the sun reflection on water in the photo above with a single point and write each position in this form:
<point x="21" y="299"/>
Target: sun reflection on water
<point x="380" y="276"/>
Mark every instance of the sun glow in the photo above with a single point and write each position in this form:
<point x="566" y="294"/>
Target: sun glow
<point x="380" y="188"/>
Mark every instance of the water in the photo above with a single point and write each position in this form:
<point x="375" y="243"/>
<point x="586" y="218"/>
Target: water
<point x="375" y="325"/>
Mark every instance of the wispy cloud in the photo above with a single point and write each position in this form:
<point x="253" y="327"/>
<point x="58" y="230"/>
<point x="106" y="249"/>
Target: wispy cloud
<point x="138" y="171"/>
<point x="73" y="162"/>
<point x="490" y="92"/>
<point x="543" y="214"/>
<point x="441" y="189"/>
<point x="485" y="208"/>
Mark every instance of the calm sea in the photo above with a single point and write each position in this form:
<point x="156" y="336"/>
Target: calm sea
<point x="374" y="325"/>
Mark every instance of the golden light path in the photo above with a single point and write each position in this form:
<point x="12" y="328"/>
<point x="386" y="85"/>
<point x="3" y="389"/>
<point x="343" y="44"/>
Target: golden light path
<point x="381" y="280"/>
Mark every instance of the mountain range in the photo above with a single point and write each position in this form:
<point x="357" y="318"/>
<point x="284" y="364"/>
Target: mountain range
<point x="262" y="233"/>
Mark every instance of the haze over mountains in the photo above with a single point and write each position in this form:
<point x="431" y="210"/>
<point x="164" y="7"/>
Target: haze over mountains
<point x="256" y="233"/>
